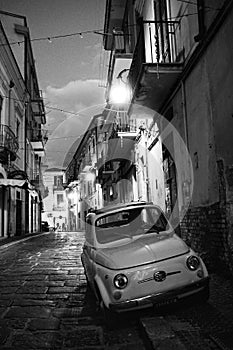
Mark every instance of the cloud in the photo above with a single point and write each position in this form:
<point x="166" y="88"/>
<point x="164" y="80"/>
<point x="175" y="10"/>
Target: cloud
<point x="70" y="109"/>
<point x="75" y="95"/>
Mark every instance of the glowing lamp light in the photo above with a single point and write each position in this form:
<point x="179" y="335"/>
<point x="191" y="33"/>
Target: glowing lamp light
<point x="119" y="94"/>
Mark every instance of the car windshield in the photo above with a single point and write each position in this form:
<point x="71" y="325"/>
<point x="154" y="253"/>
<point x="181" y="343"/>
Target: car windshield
<point x="129" y="223"/>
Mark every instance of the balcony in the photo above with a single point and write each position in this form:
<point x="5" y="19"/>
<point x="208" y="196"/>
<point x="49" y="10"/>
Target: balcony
<point x="38" y="111"/>
<point x="86" y="163"/>
<point x="157" y="63"/>
<point x="128" y="130"/>
<point x="8" y="144"/>
<point x="38" y="140"/>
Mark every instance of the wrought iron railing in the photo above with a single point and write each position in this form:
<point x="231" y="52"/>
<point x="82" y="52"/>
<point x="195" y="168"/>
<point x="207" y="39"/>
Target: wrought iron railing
<point x="158" y="42"/>
<point x="39" y="136"/>
<point x="8" y="139"/>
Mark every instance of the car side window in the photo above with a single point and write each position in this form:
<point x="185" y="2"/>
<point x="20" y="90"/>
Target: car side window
<point x="88" y="231"/>
<point x="157" y="218"/>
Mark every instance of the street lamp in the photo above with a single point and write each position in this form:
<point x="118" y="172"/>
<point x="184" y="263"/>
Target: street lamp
<point x="120" y="92"/>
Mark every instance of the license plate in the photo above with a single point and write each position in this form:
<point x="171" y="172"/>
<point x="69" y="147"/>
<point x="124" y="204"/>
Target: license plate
<point x="166" y="302"/>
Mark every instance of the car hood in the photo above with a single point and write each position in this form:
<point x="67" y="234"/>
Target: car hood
<point x="140" y="251"/>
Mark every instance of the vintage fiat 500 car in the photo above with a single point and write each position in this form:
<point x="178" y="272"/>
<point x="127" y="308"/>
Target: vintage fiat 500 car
<point x="133" y="259"/>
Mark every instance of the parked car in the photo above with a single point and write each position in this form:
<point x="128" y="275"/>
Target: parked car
<point x="45" y="226"/>
<point x="133" y="259"/>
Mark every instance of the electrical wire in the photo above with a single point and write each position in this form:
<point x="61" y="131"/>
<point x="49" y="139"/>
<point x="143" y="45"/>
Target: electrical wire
<point x="194" y="3"/>
<point x="78" y="114"/>
<point x="101" y="31"/>
<point x="52" y="37"/>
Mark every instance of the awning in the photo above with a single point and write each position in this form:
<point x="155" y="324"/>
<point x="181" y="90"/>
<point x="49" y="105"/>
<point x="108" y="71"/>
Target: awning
<point x="13" y="182"/>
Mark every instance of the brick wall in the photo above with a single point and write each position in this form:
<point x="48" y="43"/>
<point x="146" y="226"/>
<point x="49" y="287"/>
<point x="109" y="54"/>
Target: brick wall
<point x="207" y="230"/>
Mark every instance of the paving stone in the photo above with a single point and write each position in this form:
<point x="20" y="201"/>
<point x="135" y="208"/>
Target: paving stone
<point x="159" y="334"/>
<point x="43" y="324"/>
<point x="17" y="323"/>
<point x="28" y="311"/>
<point x="57" y="290"/>
<point x="72" y="283"/>
<point x="2" y="311"/>
<point x="68" y="312"/>
<point x="29" y="296"/>
<point x="5" y="302"/>
<point x="57" y="277"/>
<point x="33" y="302"/>
<point x="56" y="283"/>
<point x="76" y="271"/>
<point x="13" y="283"/>
<point x="68" y="324"/>
<point x="37" y="277"/>
<point x="32" y="284"/>
<point x="35" y="340"/>
<point x="4" y="333"/>
<point x="83" y="336"/>
<point x="32" y="290"/>
<point x="8" y="290"/>
<point x="52" y="296"/>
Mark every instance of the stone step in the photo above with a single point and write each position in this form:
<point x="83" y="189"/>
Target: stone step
<point x="160" y="334"/>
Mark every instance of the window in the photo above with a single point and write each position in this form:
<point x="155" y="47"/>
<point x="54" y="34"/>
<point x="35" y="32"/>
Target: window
<point x="88" y="231"/>
<point x="129" y="223"/>
<point x="60" y="200"/>
<point x="58" y="180"/>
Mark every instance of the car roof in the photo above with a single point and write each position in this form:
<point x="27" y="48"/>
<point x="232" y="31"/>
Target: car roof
<point x="120" y="206"/>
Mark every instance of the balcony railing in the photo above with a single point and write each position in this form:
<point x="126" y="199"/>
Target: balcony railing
<point x="40" y="136"/>
<point x="8" y="143"/>
<point x="37" y="106"/>
<point x="157" y="43"/>
<point x="86" y="162"/>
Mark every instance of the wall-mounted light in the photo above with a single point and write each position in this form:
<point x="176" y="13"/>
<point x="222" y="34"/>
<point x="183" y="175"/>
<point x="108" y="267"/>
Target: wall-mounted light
<point x="120" y="92"/>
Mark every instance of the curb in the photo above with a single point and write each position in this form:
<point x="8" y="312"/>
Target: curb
<point x="158" y="334"/>
<point x="7" y="245"/>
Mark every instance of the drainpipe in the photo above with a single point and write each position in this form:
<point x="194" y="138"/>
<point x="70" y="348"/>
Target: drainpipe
<point x="185" y="114"/>
<point x="147" y="175"/>
<point x="11" y="85"/>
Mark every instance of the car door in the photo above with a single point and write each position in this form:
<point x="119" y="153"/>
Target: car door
<point x="88" y="256"/>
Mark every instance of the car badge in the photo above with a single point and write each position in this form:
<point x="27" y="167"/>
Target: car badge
<point x="160" y="276"/>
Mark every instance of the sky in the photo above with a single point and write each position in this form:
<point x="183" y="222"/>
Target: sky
<point x="69" y="69"/>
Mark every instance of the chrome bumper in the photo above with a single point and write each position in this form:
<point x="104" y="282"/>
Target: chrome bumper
<point x="161" y="298"/>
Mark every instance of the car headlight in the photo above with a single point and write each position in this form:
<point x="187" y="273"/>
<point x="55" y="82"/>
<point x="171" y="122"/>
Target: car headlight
<point x="120" y="281"/>
<point x="193" y="262"/>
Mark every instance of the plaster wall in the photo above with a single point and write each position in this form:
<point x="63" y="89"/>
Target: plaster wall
<point x="220" y="76"/>
<point x="201" y="135"/>
<point x="156" y="175"/>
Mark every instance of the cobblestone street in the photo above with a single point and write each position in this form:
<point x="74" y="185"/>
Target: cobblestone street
<point x="45" y="304"/>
